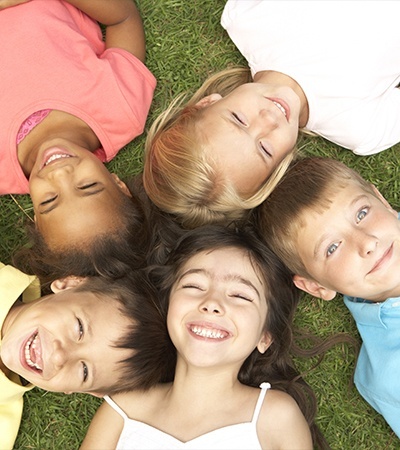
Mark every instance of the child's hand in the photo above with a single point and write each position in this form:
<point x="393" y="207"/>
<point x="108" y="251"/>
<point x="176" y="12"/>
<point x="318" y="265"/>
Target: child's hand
<point x="7" y="3"/>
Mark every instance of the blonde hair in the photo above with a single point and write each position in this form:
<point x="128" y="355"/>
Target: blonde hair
<point x="177" y="176"/>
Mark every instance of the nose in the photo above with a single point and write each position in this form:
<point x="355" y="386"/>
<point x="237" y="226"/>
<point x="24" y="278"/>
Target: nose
<point x="212" y="305"/>
<point x="59" y="356"/>
<point x="60" y="171"/>
<point x="367" y="244"/>
<point x="267" y="120"/>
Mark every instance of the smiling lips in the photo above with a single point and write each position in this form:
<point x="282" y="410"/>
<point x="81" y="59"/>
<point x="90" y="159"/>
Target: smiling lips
<point x="32" y="353"/>
<point x="208" y="332"/>
<point x="382" y="260"/>
<point x="54" y="154"/>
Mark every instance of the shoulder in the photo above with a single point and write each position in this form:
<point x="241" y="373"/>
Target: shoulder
<point x="279" y="414"/>
<point x="136" y="402"/>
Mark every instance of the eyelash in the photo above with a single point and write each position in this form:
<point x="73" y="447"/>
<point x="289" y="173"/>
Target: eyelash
<point x="238" y="119"/>
<point x="365" y="211"/>
<point x="49" y="200"/>
<point x="329" y="252"/>
<point x="85" y="371"/>
<point x="242" y="297"/>
<point x="81" y="331"/>
<point x="87" y="186"/>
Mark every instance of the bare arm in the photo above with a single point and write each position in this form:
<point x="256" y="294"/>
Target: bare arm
<point x="124" y="27"/>
<point x="104" y="430"/>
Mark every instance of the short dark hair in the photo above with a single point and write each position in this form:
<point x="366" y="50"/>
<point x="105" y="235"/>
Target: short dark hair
<point x="147" y="335"/>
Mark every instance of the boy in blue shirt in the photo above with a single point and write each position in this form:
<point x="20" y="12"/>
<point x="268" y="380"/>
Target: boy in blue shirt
<point x="336" y="233"/>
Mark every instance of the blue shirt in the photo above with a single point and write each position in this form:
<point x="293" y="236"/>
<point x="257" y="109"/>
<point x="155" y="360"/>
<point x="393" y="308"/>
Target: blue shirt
<point x="378" y="365"/>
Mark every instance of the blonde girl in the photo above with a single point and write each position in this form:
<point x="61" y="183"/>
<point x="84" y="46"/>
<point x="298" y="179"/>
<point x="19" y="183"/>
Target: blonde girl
<point x="224" y="151"/>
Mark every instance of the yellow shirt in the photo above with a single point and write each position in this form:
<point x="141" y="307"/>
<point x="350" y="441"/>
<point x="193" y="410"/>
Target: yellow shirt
<point x="13" y="283"/>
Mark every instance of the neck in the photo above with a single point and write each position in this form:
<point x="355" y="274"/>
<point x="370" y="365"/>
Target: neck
<point x="57" y="124"/>
<point x="280" y="79"/>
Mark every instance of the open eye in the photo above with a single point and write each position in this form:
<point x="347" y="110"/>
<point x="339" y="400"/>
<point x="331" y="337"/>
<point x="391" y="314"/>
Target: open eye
<point x="81" y="330"/>
<point x="331" y="249"/>
<point x="362" y="213"/>
<point x="85" y="371"/>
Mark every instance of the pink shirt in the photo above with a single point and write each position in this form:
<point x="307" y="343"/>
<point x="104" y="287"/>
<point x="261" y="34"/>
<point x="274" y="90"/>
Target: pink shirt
<point x="53" y="57"/>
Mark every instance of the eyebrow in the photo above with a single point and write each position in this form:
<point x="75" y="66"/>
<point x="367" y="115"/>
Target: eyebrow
<point x="228" y="277"/>
<point x="84" y="193"/>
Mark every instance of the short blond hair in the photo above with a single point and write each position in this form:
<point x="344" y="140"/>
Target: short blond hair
<point x="308" y="185"/>
<point x="179" y="178"/>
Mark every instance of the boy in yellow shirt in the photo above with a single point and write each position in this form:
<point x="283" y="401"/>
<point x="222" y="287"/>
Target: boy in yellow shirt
<point x="91" y="335"/>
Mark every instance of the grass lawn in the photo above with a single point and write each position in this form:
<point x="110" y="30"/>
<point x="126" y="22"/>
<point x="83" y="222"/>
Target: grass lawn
<point x="186" y="43"/>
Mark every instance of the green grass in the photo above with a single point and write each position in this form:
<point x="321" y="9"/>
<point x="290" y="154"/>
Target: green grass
<point x="186" y="43"/>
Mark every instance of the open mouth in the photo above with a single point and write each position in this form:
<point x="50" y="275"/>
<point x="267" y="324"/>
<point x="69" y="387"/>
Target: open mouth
<point x="54" y="155"/>
<point x="208" y="332"/>
<point x="282" y="106"/>
<point x="32" y="353"/>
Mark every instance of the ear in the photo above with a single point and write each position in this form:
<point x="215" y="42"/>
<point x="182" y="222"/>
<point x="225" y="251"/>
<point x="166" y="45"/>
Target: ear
<point x="313" y="288"/>
<point x="121" y="185"/>
<point x="208" y="100"/>
<point x="66" y="283"/>
<point x="383" y="200"/>
<point x="264" y="343"/>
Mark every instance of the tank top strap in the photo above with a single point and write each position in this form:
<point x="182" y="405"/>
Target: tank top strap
<point x="264" y="388"/>
<point x="115" y="407"/>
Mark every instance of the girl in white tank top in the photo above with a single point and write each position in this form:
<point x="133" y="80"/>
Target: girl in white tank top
<point x="229" y="305"/>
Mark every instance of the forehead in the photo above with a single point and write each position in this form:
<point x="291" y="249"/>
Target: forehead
<point x="222" y="261"/>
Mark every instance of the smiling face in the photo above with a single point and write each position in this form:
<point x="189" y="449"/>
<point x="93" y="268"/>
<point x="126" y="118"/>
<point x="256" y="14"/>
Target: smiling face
<point x="65" y="342"/>
<point x="74" y="196"/>
<point x="357" y="252"/>
<point x="217" y="309"/>
<point x="249" y="132"/>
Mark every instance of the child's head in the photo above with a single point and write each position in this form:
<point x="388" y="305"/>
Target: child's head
<point x="194" y="170"/>
<point x="333" y="230"/>
<point x="97" y="336"/>
<point x="109" y="250"/>
<point x="220" y="283"/>
<point x="80" y="209"/>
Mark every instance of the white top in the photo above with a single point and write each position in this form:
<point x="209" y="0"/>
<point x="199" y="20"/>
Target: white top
<point x="139" y="435"/>
<point x="344" y="54"/>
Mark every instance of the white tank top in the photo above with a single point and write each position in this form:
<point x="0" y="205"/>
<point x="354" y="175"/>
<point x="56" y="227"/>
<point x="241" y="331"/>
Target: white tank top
<point x="139" y="435"/>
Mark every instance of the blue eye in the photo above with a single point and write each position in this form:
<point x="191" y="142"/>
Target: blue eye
<point x="331" y="249"/>
<point x="85" y="371"/>
<point x="362" y="214"/>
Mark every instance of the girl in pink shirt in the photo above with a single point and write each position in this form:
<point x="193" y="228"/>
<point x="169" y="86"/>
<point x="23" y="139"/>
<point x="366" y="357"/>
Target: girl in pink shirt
<point x="70" y="101"/>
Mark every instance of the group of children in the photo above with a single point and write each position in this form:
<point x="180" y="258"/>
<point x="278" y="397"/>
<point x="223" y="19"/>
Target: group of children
<point x="177" y="318"/>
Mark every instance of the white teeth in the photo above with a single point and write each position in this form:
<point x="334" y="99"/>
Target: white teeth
<point x="31" y="342"/>
<point x="280" y="107"/>
<point x="207" y="333"/>
<point x="56" y="156"/>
